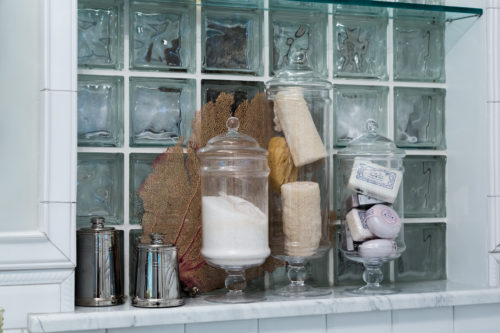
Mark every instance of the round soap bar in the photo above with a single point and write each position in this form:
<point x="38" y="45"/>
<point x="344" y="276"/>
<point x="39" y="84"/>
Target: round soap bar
<point x="378" y="248"/>
<point x="383" y="221"/>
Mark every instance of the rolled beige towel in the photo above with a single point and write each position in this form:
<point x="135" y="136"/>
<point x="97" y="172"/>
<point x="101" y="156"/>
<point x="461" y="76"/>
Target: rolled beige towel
<point x="301" y="218"/>
<point x="298" y="126"/>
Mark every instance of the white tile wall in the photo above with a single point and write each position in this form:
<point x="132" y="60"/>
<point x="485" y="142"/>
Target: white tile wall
<point x="149" y="329"/>
<point x="309" y="324"/>
<point x="477" y="318"/>
<point x="374" y="322"/>
<point x="235" y="326"/>
<point x="434" y="320"/>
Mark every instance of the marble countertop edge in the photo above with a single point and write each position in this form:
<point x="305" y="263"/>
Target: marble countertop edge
<point x="412" y="295"/>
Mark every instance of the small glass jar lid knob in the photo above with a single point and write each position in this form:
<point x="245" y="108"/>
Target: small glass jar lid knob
<point x="233" y="124"/>
<point x="371" y="126"/>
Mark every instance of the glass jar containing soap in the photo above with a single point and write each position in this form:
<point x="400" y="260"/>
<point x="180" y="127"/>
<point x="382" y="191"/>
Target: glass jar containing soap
<point x="234" y="181"/>
<point x="299" y="158"/>
<point x="371" y="210"/>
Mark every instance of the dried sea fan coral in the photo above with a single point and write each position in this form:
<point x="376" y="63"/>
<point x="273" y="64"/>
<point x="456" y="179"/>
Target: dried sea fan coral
<point x="256" y="119"/>
<point x="171" y="193"/>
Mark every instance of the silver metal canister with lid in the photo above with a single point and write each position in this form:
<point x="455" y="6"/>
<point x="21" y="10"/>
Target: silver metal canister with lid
<point x="157" y="278"/>
<point x="99" y="274"/>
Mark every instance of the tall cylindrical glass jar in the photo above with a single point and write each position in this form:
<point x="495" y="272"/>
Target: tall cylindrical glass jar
<point x="371" y="211"/>
<point x="234" y="178"/>
<point x="299" y="177"/>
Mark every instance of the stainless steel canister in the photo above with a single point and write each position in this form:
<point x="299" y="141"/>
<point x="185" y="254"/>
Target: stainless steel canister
<point x="157" y="279"/>
<point x="99" y="275"/>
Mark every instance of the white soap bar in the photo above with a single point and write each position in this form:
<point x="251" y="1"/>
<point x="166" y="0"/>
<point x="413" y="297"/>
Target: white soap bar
<point x="301" y="218"/>
<point x="378" y="248"/>
<point x="356" y="221"/>
<point x="383" y="221"/>
<point x="374" y="180"/>
<point x="298" y="126"/>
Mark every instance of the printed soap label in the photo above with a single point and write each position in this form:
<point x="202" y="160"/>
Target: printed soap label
<point x="362" y="218"/>
<point x="378" y="176"/>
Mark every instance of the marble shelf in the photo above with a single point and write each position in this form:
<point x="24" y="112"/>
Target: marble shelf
<point x="197" y="310"/>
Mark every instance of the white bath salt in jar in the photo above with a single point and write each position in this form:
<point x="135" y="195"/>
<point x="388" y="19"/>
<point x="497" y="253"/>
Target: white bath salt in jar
<point x="371" y="205"/>
<point x="234" y="194"/>
<point x="234" y="231"/>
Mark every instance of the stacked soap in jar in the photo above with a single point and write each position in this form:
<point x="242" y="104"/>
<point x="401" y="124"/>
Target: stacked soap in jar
<point x="372" y="225"/>
<point x="371" y="204"/>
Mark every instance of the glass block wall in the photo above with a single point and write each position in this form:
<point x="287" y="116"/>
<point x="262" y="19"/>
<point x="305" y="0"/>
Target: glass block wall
<point x="146" y="66"/>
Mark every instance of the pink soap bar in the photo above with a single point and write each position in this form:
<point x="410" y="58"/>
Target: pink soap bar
<point x="383" y="221"/>
<point x="378" y="248"/>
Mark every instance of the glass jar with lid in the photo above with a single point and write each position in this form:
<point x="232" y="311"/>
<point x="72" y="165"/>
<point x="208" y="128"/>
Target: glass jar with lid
<point x="299" y="154"/>
<point x="371" y="210"/>
<point x="234" y="181"/>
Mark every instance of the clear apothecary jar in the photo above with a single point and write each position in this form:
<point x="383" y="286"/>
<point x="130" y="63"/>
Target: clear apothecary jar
<point x="234" y="190"/>
<point x="371" y="206"/>
<point x="299" y="163"/>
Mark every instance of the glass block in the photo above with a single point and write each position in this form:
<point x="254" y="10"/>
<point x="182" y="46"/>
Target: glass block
<point x="232" y="40"/>
<point x="210" y="90"/>
<point x="161" y="111"/>
<point x="424" y="189"/>
<point x="134" y="239"/>
<point x="360" y="47"/>
<point x="99" y="188"/>
<point x="100" y="33"/>
<point x="292" y="31"/>
<point x="419" y="51"/>
<point x="140" y="168"/>
<point x="419" y="117"/>
<point x="100" y="111"/>
<point x="425" y="255"/>
<point x="162" y="35"/>
<point x="353" y="106"/>
<point x="347" y="272"/>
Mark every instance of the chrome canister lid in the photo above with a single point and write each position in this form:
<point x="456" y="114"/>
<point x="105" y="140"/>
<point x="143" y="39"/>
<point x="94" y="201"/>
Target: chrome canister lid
<point x="157" y="243"/>
<point x="97" y="227"/>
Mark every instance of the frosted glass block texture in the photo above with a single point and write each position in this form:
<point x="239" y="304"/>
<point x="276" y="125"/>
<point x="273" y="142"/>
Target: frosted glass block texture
<point x="134" y="239"/>
<point x="292" y="31"/>
<point x="161" y="111"/>
<point x="419" y="117"/>
<point x="353" y="106"/>
<point x="100" y="111"/>
<point x="360" y="47"/>
<point x="241" y="90"/>
<point x="231" y="40"/>
<point x="419" y="51"/>
<point x="140" y="168"/>
<point x="162" y="35"/>
<point x="99" y="188"/>
<point x="424" y="186"/>
<point x="100" y="34"/>
<point x="347" y="272"/>
<point x="425" y="255"/>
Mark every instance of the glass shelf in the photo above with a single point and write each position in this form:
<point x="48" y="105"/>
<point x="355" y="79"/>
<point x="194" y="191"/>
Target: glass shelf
<point x="399" y="9"/>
